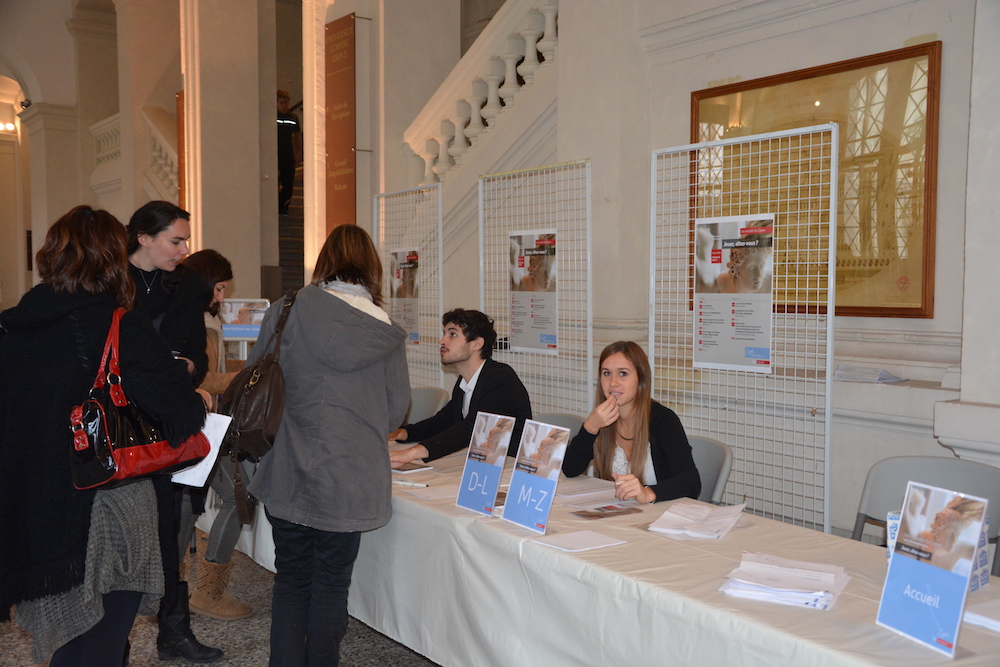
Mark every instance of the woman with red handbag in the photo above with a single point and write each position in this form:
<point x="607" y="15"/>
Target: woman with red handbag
<point x="175" y="300"/>
<point x="79" y="564"/>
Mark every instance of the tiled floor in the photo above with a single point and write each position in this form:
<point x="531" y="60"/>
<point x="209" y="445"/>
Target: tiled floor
<point x="245" y="642"/>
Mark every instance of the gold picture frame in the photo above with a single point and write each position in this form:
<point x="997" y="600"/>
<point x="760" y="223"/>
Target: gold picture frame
<point x="887" y="106"/>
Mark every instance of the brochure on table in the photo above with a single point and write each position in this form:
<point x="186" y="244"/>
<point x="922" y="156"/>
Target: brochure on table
<point x="980" y="560"/>
<point x="928" y="580"/>
<point x="484" y="463"/>
<point x="536" y="473"/>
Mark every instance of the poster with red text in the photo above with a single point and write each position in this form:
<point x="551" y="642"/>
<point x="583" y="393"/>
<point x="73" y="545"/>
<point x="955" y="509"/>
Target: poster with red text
<point x="732" y="296"/>
<point x="534" y="299"/>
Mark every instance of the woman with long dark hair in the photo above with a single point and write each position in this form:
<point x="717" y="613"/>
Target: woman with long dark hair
<point x="79" y="564"/>
<point x="632" y="439"/>
<point x="327" y="478"/>
<point x="174" y="299"/>
<point x="209" y="597"/>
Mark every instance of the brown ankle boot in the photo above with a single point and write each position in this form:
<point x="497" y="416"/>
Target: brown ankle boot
<point x="210" y="598"/>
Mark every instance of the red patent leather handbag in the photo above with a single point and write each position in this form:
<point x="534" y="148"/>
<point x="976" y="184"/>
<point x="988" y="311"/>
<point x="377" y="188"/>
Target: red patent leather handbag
<point x="114" y="441"/>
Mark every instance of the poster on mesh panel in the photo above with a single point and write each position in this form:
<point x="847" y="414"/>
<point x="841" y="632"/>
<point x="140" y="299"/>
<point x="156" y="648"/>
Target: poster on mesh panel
<point x="733" y="268"/>
<point x="403" y="267"/>
<point x="534" y="299"/>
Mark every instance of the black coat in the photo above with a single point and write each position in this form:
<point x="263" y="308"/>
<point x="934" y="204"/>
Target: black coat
<point x="183" y="324"/>
<point x="48" y="359"/>
<point x="676" y="474"/>
<point x="498" y="390"/>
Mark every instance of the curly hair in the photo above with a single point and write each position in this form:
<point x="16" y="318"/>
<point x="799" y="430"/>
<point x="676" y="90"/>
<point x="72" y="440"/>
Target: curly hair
<point x="473" y="324"/>
<point x="85" y="250"/>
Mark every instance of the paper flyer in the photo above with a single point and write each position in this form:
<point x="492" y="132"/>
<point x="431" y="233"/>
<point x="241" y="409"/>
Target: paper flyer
<point x="928" y="580"/>
<point x="404" y="267"/>
<point x="484" y="464"/>
<point x="534" y="299"/>
<point x="215" y="429"/>
<point x="536" y="474"/>
<point x="241" y="318"/>
<point x="732" y="295"/>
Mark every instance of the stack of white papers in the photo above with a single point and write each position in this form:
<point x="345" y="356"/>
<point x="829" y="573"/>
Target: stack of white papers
<point x="785" y="581"/>
<point x="695" y="521"/>
<point x="985" y="614"/>
<point x="581" y="540"/>
<point x="585" y="492"/>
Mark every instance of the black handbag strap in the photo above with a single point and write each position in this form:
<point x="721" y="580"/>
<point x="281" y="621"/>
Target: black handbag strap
<point x="275" y="338"/>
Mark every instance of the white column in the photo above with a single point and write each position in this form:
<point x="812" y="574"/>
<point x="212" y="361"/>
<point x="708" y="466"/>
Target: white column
<point x="969" y="425"/>
<point x="148" y="76"/>
<point x="225" y="130"/>
<point x="53" y="144"/>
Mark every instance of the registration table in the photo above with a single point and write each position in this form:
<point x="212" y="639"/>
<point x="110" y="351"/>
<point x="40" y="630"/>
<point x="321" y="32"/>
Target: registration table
<point x="468" y="590"/>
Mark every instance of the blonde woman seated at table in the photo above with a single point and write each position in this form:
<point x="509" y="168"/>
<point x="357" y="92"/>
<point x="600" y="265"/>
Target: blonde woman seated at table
<point x="631" y="438"/>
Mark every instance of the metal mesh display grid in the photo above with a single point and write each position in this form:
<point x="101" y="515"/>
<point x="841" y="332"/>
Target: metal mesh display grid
<point x="412" y="219"/>
<point x="558" y="197"/>
<point x="778" y="424"/>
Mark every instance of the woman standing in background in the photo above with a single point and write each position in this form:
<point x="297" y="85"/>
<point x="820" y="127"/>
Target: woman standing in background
<point x="175" y="300"/>
<point x="209" y="597"/>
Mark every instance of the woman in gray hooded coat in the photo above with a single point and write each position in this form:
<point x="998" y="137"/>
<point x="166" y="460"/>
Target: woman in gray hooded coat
<point x="327" y="478"/>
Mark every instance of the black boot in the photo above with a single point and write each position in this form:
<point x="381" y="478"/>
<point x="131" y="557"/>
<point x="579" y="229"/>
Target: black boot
<point x="176" y="639"/>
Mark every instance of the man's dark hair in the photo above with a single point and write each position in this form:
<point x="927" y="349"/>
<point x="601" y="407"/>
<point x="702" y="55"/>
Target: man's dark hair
<point x="473" y="324"/>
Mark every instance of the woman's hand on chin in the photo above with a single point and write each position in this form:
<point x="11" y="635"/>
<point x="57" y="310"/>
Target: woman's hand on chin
<point x="603" y="415"/>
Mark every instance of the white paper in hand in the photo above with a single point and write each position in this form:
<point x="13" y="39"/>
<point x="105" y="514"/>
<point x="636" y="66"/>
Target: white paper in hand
<point x="215" y="429"/>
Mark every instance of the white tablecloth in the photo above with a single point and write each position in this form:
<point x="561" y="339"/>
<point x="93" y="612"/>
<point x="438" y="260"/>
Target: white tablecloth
<point x="467" y="590"/>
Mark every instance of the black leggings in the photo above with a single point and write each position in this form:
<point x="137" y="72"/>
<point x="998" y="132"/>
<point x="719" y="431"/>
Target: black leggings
<point x="104" y="644"/>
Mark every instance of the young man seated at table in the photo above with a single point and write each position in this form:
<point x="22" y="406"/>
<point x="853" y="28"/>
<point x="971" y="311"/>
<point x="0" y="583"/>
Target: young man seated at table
<point x="484" y="385"/>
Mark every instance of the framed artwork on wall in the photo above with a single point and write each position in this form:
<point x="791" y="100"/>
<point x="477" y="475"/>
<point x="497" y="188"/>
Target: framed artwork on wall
<point x="887" y="107"/>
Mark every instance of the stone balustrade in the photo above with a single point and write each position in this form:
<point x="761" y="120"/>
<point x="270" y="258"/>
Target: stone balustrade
<point x="519" y="40"/>
<point x="161" y="170"/>
<point x="107" y="142"/>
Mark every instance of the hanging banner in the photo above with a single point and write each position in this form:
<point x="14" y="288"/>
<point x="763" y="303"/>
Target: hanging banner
<point x="534" y="300"/>
<point x="405" y="297"/>
<point x="484" y="464"/>
<point x="536" y="474"/>
<point x="341" y="132"/>
<point x="925" y="589"/>
<point x="732" y="295"/>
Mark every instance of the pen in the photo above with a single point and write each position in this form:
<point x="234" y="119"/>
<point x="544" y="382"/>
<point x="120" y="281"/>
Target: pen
<point x="406" y="482"/>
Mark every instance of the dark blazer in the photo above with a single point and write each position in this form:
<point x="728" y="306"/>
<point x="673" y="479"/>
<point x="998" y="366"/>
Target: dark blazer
<point x="183" y="323"/>
<point x="498" y="390"/>
<point x="676" y="474"/>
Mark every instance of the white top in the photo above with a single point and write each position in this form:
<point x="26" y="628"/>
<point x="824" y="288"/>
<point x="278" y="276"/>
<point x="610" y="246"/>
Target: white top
<point x="362" y="304"/>
<point x="621" y="465"/>
<point x="468" y="388"/>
